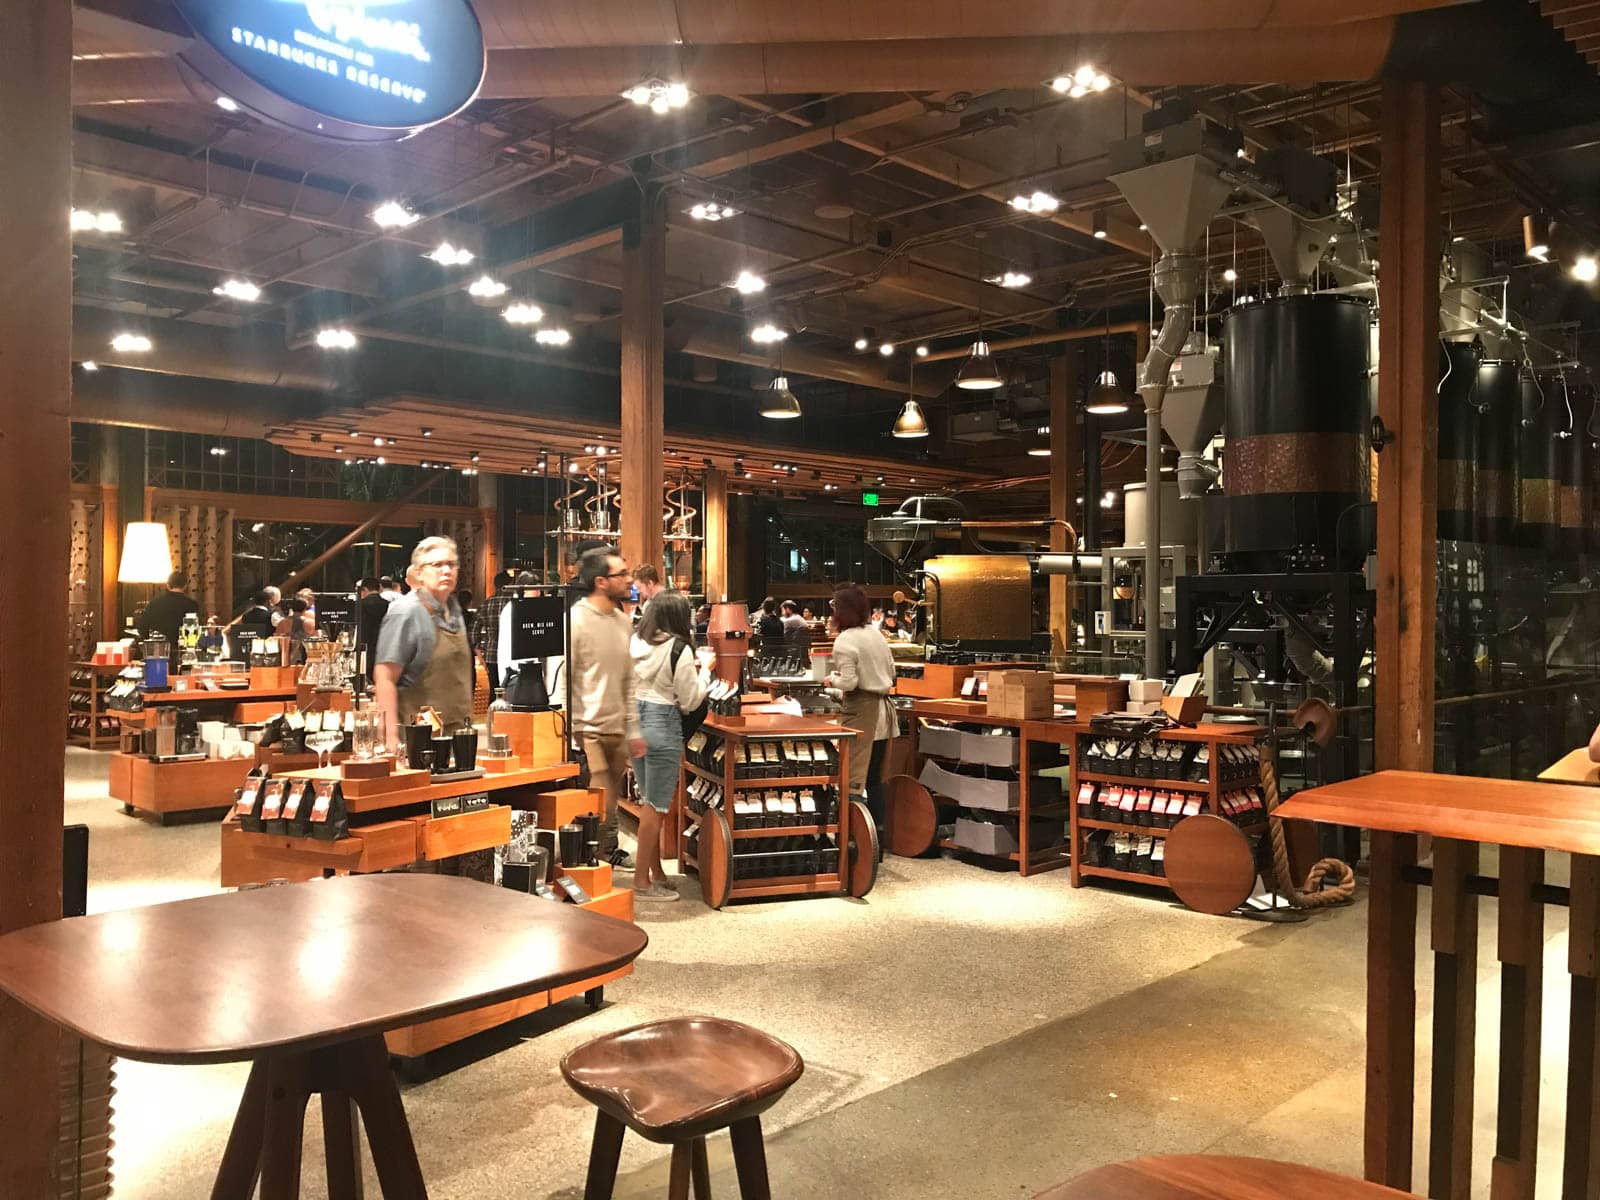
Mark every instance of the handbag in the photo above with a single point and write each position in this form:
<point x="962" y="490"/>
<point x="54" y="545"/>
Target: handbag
<point x="695" y="717"/>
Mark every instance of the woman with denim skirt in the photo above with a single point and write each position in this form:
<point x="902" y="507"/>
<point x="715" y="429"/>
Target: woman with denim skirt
<point x="667" y="683"/>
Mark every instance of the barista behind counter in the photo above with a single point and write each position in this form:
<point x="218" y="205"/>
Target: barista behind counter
<point x="424" y="660"/>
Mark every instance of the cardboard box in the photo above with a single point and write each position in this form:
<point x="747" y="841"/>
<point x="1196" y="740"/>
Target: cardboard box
<point x="1022" y="695"/>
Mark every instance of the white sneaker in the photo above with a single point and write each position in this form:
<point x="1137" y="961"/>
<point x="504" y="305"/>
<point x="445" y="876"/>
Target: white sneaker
<point x="655" y="891"/>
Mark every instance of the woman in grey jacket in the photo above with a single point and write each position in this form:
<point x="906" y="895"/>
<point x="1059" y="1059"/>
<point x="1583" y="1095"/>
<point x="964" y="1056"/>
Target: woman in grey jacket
<point x="666" y="683"/>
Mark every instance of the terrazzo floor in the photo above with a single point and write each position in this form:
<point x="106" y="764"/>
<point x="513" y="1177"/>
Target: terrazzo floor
<point x="967" y="1033"/>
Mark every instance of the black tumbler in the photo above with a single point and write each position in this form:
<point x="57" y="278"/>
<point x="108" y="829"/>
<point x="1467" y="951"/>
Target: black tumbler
<point x="571" y="846"/>
<point x="441" y="754"/>
<point x="466" y="748"/>
<point x="418" y="739"/>
<point x="590" y="824"/>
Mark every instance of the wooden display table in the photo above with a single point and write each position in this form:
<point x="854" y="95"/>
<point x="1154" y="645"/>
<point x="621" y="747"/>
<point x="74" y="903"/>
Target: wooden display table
<point x="1210" y="790"/>
<point x="303" y="982"/>
<point x="1525" y="820"/>
<point x="389" y="829"/>
<point x="739" y="856"/>
<point x="234" y="705"/>
<point x="1574" y="767"/>
<point x="175" y="787"/>
<point x="913" y="812"/>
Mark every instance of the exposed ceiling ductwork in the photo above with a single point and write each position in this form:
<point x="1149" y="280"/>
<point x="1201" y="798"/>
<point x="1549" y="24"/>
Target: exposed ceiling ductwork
<point x="1348" y="51"/>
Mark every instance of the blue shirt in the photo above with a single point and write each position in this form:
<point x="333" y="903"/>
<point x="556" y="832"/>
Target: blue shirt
<point x="408" y="635"/>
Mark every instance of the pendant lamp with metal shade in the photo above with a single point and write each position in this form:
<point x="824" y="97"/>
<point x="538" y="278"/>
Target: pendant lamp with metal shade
<point x="911" y="423"/>
<point x="778" y="403"/>
<point x="977" y="373"/>
<point x="1106" y="397"/>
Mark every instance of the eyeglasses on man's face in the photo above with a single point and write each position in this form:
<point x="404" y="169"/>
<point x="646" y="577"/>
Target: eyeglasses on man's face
<point x="443" y="564"/>
<point x="622" y="574"/>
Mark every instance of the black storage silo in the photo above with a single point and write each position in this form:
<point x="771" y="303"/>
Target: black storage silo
<point x="1537" y="501"/>
<point x="1297" y="467"/>
<point x="1495" y="498"/>
<point x="1458" y="441"/>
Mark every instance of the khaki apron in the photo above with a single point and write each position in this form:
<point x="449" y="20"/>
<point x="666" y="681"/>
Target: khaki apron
<point x="445" y="684"/>
<point x="865" y="712"/>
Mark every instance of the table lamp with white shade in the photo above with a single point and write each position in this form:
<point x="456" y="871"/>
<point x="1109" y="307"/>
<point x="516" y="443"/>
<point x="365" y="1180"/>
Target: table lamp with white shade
<point x="146" y="557"/>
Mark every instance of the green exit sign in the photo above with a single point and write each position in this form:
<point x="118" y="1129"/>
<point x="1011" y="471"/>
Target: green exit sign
<point x="869" y="499"/>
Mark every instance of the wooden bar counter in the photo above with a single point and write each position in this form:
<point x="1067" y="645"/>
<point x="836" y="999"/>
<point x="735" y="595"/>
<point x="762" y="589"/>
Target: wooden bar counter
<point x="1526" y="821"/>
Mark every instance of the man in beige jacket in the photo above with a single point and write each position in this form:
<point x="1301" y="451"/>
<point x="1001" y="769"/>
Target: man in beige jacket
<point x="605" y="718"/>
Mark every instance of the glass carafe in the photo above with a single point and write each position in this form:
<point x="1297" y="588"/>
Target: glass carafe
<point x="499" y="705"/>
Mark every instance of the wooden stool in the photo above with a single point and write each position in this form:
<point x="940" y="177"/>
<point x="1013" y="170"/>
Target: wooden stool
<point x="1215" y="1177"/>
<point x="673" y="1082"/>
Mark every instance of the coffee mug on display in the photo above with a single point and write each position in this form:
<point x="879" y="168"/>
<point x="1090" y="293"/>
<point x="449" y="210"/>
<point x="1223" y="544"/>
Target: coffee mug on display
<point x="417" y="739"/>
<point x="571" y="846"/>
<point x="441" y="754"/>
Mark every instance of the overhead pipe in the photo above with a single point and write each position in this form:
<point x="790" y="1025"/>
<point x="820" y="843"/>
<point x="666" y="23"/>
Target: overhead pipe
<point x="1086" y="333"/>
<point x="142" y="400"/>
<point x="1349" y="51"/>
<point x="570" y="24"/>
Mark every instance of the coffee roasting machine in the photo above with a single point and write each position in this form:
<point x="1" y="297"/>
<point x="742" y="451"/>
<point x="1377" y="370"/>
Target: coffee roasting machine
<point x="1270" y="400"/>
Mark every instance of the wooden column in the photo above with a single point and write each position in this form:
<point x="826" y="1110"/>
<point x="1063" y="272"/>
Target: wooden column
<point x="716" y="535"/>
<point x="1408" y="367"/>
<point x="644" y="274"/>
<point x="1064" y="486"/>
<point x="35" y="476"/>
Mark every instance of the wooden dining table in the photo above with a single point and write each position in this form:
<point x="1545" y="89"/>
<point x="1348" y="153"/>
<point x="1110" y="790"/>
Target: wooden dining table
<point x="1524" y="822"/>
<point x="302" y="980"/>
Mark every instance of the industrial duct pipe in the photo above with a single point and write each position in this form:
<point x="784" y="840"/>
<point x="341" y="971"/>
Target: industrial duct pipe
<point x="1176" y="199"/>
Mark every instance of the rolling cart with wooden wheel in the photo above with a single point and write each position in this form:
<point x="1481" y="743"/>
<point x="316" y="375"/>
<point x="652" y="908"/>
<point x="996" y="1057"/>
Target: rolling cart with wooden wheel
<point x="743" y="850"/>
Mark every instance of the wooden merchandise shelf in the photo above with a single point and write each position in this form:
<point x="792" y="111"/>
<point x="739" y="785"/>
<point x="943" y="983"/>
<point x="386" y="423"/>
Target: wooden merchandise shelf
<point x="852" y="834"/>
<point x="913" y="815"/>
<point x="412" y="837"/>
<point x="1211" y="789"/>
<point x="161" y="788"/>
<point x="86" y="688"/>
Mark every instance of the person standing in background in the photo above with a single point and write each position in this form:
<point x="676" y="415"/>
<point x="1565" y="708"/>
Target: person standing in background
<point x="371" y="608"/>
<point x="601" y="704"/>
<point x="486" y="630"/>
<point x="274" y="604"/>
<point x="863" y="672"/>
<point x="254" y="622"/>
<point x="389" y="589"/>
<point x="165" y="613"/>
<point x="769" y="626"/>
<point x="424" y="660"/>
<point x="648" y="580"/>
<point x="667" y="684"/>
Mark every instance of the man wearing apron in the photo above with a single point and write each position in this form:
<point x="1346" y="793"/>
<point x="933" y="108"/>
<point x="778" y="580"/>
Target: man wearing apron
<point x="423" y="658"/>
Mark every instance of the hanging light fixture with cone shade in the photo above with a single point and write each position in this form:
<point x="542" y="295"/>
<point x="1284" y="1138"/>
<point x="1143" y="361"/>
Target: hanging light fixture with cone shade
<point x="911" y="423"/>
<point x="978" y="374"/>
<point x="778" y="403"/>
<point x="1106" y="397"/>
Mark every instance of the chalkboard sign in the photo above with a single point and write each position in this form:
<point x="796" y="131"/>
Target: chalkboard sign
<point x="538" y="628"/>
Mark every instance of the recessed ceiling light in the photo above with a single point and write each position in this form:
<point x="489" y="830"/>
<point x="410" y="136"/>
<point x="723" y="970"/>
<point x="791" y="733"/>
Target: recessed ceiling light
<point x="427" y="431"/>
<point x="747" y="283"/>
<point x="131" y="343"/>
<point x="766" y="333"/>
<point x="922" y="350"/>
<point x="485" y="290"/>
<point x="523" y="313"/>
<point x="391" y="214"/>
<point x="552" y="337"/>
<point x="1036" y="203"/>
<point x="336" y="339"/>
<point x="1586" y="269"/>
<point x="238" y="289"/>
<point x="658" y="95"/>
<point x="447" y="255"/>
<point x="227" y="104"/>
<point x="89" y="365"/>
<point x="886" y="349"/>
<point x="862" y="342"/>
<point x="1229" y="275"/>
<point x="1011" y="279"/>
<point x="84" y="221"/>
